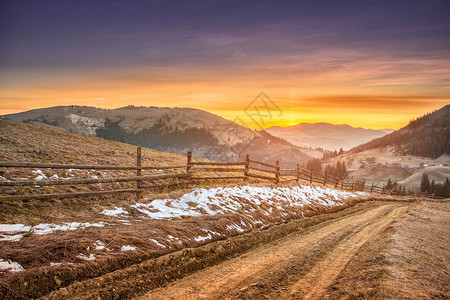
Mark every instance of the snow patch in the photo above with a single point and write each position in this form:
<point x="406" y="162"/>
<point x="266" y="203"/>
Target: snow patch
<point x="114" y="212"/>
<point x="99" y="245"/>
<point x="127" y="248"/>
<point x="85" y="257"/>
<point x="158" y="243"/>
<point x="10" y="266"/>
<point x="203" y="238"/>
<point x="15" y="232"/>
<point x="243" y="198"/>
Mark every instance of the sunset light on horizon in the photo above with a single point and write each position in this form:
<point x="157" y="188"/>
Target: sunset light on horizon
<point x="370" y="64"/>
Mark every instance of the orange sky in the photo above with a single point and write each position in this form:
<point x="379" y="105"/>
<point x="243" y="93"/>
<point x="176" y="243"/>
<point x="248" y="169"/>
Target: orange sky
<point x="334" y="97"/>
<point x="373" y="64"/>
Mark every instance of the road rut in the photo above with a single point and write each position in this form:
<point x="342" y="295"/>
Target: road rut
<point x="298" y="266"/>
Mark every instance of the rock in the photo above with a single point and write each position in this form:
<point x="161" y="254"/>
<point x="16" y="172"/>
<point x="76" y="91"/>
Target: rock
<point x="64" y="291"/>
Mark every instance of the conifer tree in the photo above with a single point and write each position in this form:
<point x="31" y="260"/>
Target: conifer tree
<point x="425" y="185"/>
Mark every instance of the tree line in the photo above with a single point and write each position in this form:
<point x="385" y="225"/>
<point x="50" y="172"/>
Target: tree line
<point x="427" y="136"/>
<point x="338" y="170"/>
<point x="439" y="189"/>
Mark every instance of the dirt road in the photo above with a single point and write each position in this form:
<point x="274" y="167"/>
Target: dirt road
<point x="300" y="266"/>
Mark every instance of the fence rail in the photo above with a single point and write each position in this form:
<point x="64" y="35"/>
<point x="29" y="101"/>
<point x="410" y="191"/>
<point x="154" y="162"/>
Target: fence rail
<point x="244" y="170"/>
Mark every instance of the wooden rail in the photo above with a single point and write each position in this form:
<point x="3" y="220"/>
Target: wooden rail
<point x="249" y="169"/>
<point x="65" y="195"/>
<point x="30" y="165"/>
<point x="94" y="180"/>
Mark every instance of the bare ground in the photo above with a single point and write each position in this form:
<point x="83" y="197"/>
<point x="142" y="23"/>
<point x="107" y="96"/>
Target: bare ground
<point x="336" y="259"/>
<point x="140" y="277"/>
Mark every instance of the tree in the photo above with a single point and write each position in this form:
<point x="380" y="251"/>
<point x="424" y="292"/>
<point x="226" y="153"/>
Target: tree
<point x="389" y="185"/>
<point x="425" y="185"/>
<point x="315" y="165"/>
<point x="343" y="171"/>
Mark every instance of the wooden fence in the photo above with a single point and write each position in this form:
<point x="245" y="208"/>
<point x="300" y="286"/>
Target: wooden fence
<point x="245" y="170"/>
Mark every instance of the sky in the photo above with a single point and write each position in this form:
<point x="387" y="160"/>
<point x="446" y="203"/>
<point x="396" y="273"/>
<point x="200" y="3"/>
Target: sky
<point x="368" y="63"/>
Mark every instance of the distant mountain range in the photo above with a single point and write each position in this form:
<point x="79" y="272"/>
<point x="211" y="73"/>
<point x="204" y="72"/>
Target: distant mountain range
<point x="427" y="136"/>
<point x="326" y="136"/>
<point x="175" y="130"/>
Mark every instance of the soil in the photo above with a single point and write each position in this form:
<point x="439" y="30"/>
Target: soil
<point x="301" y="265"/>
<point x="373" y="250"/>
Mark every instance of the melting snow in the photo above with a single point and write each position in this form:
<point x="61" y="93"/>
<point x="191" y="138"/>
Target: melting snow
<point x="203" y="238"/>
<point x="46" y="228"/>
<point x="158" y="243"/>
<point x="10" y="266"/>
<point x="127" y="248"/>
<point x="40" y="174"/>
<point x="114" y="212"/>
<point x="14" y="228"/>
<point x="99" y="245"/>
<point x="237" y="199"/>
<point x="85" y="257"/>
<point x="15" y="232"/>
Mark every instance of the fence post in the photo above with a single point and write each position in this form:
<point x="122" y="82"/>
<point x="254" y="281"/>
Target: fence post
<point x="325" y="178"/>
<point x="383" y="190"/>
<point x="247" y="163"/>
<point x="277" y="174"/>
<point x="298" y="172"/>
<point x="363" y="185"/>
<point x="138" y="165"/>
<point x="311" y="175"/>
<point x="189" y="159"/>
<point x="342" y="185"/>
<point x="353" y="185"/>
<point x="371" y="188"/>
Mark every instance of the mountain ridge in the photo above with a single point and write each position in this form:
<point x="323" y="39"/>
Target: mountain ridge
<point x="326" y="135"/>
<point x="428" y="135"/>
<point x="175" y="130"/>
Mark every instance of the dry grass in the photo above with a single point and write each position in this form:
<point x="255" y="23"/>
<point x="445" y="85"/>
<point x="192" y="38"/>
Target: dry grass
<point x="43" y="143"/>
<point x="138" y="272"/>
<point x="410" y="260"/>
<point x="40" y="143"/>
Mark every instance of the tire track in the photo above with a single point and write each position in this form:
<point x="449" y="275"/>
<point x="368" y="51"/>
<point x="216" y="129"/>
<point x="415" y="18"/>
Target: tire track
<point x="231" y="279"/>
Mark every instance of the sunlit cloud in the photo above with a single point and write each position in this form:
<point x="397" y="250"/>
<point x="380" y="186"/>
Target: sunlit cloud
<point x="319" y="63"/>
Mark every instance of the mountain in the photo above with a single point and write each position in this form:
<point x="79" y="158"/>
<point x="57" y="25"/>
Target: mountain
<point x="325" y="135"/>
<point x="427" y="136"/>
<point x="175" y="130"/>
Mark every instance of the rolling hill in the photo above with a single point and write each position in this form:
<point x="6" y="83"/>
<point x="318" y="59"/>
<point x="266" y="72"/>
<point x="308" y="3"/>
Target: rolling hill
<point x="423" y="146"/>
<point x="175" y="130"/>
<point x="427" y="136"/>
<point x="325" y="135"/>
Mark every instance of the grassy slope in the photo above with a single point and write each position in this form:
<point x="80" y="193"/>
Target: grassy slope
<point x="437" y="173"/>
<point x="41" y="143"/>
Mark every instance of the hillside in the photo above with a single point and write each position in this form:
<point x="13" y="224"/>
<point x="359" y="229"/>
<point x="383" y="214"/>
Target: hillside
<point x="380" y="164"/>
<point x="44" y="143"/>
<point x="175" y="130"/>
<point x="65" y="241"/>
<point x="427" y="136"/>
<point x="325" y="135"/>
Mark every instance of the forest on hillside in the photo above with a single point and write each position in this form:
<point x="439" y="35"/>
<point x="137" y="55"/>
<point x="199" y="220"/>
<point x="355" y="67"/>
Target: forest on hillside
<point x="427" y="136"/>
<point x="160" y="136"/>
